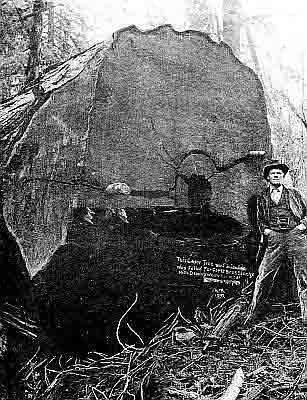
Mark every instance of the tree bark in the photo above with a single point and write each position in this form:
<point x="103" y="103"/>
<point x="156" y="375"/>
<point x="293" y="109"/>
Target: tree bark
<point x="51" y="23"/>
<point x="16" y="114"/>
<point x="34" y="60"/>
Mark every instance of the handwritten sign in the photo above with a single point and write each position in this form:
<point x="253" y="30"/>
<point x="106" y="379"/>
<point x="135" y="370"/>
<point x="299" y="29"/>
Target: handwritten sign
<point x="211" y="272"/>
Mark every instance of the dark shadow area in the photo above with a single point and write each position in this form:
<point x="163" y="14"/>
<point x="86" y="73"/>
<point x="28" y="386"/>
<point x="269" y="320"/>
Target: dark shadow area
<point x="199" y="191"/>
<point x="255" y="251"/>
<point x="183" y="222"/>
<point x="15" y="289"/>
<point x="15" y="285"/>
<point x="91" y="281"/>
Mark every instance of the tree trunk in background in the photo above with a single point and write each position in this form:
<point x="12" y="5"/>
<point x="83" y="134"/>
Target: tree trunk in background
<point x="51" y="23"/>
<point x="66" y="35"/>
<point x="232" y="24"/>
<point x="34" y="60"/>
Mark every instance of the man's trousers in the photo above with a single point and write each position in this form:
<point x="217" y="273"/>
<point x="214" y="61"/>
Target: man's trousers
<point x="288" y="246"/>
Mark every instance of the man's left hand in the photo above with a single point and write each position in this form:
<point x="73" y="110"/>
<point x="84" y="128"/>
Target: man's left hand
<point x="301" y="227"/>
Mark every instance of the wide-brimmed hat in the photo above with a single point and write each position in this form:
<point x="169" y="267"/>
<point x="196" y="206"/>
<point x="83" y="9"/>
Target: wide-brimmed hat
<point x="274" y="165"/>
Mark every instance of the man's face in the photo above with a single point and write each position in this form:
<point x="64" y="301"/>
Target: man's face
<point x="276" y="177"/>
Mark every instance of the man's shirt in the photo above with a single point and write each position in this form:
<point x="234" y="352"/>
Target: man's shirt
<point x="275" y="193"/>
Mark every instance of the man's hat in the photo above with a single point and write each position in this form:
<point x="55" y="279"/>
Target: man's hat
<point x="275" y="165"/>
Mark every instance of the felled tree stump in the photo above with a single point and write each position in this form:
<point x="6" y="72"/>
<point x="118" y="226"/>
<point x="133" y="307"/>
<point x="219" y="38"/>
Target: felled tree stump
<point x="158" y="110"/>
<point x="150" y="109"/>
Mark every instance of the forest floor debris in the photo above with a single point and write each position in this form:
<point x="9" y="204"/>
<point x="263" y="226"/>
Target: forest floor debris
<point x="272" y="355"/>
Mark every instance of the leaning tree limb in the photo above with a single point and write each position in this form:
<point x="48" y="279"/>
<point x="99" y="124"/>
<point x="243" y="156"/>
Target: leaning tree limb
<point x="16" y="114"/>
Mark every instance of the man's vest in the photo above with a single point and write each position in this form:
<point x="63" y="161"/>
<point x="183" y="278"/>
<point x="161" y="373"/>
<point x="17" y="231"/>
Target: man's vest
<point x="281" y="218"/>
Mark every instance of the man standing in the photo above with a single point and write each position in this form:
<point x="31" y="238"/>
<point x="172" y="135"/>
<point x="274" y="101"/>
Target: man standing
<point x="282" y="222"/>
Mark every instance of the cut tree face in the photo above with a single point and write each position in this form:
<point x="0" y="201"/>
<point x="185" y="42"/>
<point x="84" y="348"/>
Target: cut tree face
<point x="276" y="177"/>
